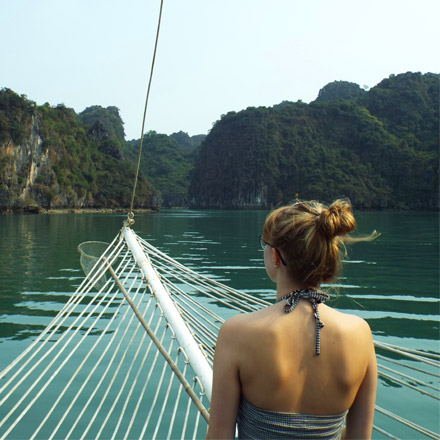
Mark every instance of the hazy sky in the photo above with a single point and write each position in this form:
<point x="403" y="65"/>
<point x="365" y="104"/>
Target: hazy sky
<point x="214" y="56"/>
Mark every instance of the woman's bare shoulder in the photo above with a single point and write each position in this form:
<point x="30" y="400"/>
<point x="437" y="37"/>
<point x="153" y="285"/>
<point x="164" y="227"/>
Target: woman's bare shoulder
<point x="241" y="324"/>
<point x="232" y="325"/>
<point x="237" y="322"/>
<point x="347" y="321"/>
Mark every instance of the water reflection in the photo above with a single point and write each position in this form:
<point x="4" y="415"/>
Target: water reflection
<point x="392" y="282"/>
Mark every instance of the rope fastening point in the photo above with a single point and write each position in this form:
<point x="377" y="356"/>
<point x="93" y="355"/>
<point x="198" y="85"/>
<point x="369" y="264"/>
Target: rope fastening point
<point x="130" y="216"/>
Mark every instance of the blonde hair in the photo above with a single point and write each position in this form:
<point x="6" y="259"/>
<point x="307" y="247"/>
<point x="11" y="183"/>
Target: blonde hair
<point x="310" y="236"/>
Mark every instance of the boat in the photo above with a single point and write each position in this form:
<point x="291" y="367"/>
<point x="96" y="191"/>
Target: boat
<point x="133" y="348"/>
<point x="130" y="354"/>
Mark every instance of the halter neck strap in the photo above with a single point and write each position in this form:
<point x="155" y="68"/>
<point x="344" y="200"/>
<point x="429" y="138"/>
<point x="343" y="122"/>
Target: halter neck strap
<point x="314" y="297"/>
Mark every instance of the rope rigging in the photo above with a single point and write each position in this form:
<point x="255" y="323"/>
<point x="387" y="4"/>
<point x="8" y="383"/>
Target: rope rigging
<point x="130" y="215"/>
<point x="110" y="370"/>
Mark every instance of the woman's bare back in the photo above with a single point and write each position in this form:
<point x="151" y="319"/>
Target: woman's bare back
<point x="270" y="357"/>
<point x="279" y="369"/>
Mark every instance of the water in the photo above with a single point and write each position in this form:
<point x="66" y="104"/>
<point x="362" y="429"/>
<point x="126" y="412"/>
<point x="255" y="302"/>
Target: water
<point x="392" y="282"/>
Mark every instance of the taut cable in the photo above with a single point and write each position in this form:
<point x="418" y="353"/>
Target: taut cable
<point x="130" y="216"/>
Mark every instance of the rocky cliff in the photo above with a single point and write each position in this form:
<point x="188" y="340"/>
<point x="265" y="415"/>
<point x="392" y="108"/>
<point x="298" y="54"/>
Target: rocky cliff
<point x="378" y="148"/>
<point x="50" y="159"/>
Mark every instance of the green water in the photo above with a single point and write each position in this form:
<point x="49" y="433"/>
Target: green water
<point x="393" y="282"/>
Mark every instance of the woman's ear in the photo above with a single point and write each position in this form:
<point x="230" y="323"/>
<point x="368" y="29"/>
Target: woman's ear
<point x="275" y="257"/>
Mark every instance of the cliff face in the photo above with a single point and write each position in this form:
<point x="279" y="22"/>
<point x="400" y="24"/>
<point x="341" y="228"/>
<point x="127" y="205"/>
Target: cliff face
<point x="21" y="165"/>
<point x="378" y="148"/>
<point x="50" y="159"/>
<point x="26" y="167"/>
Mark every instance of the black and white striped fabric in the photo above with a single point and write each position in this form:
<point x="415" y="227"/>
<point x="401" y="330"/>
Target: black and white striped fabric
<point x="256" y="423"/>
<point x="314" y="297"/>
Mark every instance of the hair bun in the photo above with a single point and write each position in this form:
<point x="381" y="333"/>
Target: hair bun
<point x="337" y="219"/>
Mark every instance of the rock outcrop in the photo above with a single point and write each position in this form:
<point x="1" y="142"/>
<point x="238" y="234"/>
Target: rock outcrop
<point x="50" y="159"/>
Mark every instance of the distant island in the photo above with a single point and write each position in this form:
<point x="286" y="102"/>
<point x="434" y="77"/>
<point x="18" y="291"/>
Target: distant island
<point x="380" y="148"/>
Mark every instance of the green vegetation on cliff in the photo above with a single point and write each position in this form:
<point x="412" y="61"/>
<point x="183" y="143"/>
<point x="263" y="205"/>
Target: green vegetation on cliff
<point x="104" y="121"/>
<point x="50" y="159"/>
<point x="167" y="161"/>
<point x="379" y="148"/>
<point x="15" y="116"/>
<point x="338" y="90"/>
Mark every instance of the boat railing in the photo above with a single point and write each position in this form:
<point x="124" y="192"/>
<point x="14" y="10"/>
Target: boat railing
<point x="130" y="355"/>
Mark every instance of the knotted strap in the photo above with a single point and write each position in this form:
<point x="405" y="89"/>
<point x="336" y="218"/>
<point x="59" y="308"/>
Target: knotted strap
<point x="314" y="297"/>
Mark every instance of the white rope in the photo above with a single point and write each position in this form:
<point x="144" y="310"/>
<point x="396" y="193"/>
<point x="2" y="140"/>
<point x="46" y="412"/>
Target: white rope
<point x="185" y="425"/>
<point x="153" y="404"/>
<point x="109" y="387"/>
<point x="90" y="352"/>
<point x="401" y="382"/>
<point x="411" y="354"/>
<point x="119" y="356"/>
<point x="212" y="292"/>
<point x="124" y="355"/>
<point x="63" y="315"/>
<point x="64" y="312"/>
<point x="62" y="365"/>
<point x="197" y="278"/>
<point x="197" y="420"/>
<point x="124" y="382"/>
<point x="54" y="374"/>
<point x="147" y="381"/>
<point x="98" y="386"/>
<point x="410" y="367"/>
<point x="413" y="379"/>
<point x="179" y="393"/>
<point x="95" y="367"/>
<point x="79" y="368"/>
<point x="385" y="433"/>
<point x="424" y="354"/>
<point x="182" y="296"/>
<point x="133" y="385"/>
<point x="407" y="423"/>
<point x="164" y="404"/>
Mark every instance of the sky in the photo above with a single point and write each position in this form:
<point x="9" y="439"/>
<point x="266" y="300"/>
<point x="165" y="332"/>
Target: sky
<point x="214" y="56"/>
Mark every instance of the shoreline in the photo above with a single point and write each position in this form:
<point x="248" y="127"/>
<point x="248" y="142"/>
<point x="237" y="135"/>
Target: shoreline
<point x="34" y="210"/>
<point x="38" y="210"/>
<point x="94" y="211"/>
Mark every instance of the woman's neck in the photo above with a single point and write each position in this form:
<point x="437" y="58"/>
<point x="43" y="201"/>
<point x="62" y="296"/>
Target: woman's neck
<point x="284" y="287"/>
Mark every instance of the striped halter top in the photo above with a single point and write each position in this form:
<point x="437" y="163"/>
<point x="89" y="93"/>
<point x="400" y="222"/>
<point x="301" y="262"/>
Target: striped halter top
<point x="256" y="423"/>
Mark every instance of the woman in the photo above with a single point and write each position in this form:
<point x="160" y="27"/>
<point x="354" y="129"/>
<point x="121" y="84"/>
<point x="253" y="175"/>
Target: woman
<point x="298" y="368"/>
